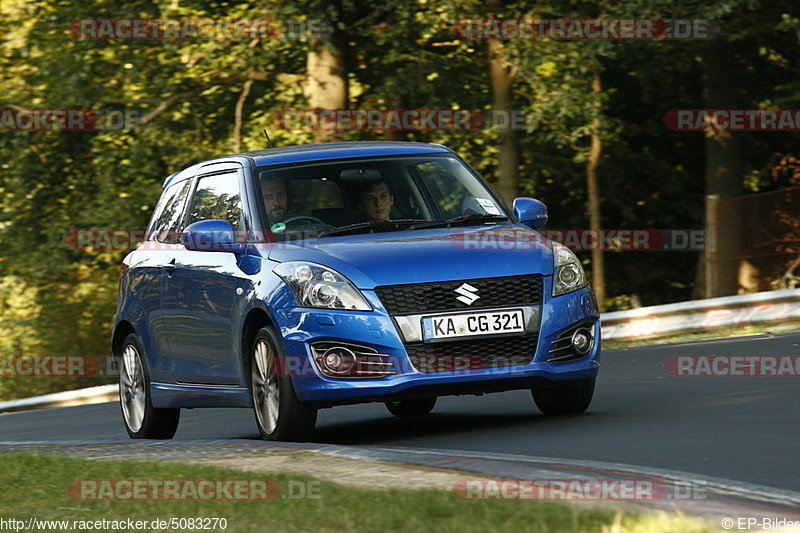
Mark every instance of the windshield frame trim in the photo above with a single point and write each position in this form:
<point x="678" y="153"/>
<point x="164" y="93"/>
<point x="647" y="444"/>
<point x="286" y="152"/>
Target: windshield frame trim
<point x="257" y="169"/>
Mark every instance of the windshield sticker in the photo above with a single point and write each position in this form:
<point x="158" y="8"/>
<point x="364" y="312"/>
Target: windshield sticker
<point x="278" y="227"/>
<point x="488" y="206"/>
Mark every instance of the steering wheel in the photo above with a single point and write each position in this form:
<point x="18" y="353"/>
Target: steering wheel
<point x="305" y="223"/>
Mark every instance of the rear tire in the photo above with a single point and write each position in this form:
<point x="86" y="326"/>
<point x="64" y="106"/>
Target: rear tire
<point x="568" y="398"/>
<point x="141" y="419"/>
<point x="279" y="414"/>
<point x="411" y="406"/>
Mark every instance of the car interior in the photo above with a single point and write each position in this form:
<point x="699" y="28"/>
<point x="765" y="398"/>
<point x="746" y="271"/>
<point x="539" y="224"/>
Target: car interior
<point x="331" y="192"/>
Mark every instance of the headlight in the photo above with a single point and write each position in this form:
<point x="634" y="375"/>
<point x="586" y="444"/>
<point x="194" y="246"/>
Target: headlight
<point x="318" y="286"/>
<point x="568" y="274"/>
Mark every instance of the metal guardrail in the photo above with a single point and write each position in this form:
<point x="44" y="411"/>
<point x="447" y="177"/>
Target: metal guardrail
<point x="702" y="315"/>
<point x="99" y="394"/>
<point x="642" y="323"/>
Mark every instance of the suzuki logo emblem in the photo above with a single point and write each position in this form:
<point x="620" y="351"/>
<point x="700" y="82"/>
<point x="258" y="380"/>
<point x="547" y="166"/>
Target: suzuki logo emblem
<point x="468" y="294"/>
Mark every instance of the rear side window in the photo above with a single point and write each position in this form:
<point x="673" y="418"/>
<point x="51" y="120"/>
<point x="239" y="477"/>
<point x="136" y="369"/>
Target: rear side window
<point x="218" y="197"/>
<point x="167" y="217"/>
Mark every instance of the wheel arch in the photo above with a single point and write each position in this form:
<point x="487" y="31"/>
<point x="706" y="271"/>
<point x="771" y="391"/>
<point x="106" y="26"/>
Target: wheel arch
<point x="121" y="332"/>
<point x="256" y="319"/>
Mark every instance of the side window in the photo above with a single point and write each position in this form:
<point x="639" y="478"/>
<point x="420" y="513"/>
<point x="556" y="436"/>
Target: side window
<point x="449" y="192"/>
<point x="218" y="197"/>
<point x="454" y="189"/>
<point x="167" y="217"/>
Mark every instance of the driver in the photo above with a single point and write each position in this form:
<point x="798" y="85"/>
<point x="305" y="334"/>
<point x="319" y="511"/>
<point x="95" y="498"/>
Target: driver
<point x="276" y="198"/>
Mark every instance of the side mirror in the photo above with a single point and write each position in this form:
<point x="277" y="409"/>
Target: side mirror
<point x="211" y="236"/>
<point x="531" y="212"/>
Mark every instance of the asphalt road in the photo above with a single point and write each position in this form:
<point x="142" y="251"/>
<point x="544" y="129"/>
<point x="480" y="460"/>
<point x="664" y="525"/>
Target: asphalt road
<point x="740" y="428"/>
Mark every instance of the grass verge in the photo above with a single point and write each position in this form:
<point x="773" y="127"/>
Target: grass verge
<point x="36" y="486"/>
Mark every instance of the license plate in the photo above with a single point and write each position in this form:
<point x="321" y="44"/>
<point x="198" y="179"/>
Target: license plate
<point x="472" y="324"/>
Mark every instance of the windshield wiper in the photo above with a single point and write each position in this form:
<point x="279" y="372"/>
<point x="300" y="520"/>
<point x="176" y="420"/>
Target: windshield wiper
<point x="371" y="226"/>
<point x="463" y="220"/>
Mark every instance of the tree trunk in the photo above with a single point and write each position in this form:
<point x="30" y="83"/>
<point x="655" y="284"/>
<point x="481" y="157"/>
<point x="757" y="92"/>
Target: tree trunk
<point x="326" y="80"/>
<point x="397" y="135"/>
<point x="501" y="78"/>
<point x="723" y="175"/>
<point x="237" y="117"/>
<point x="593" y="193"/>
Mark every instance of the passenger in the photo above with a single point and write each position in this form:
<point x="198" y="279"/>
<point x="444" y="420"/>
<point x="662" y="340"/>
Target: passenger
<point x="376" y="199"/>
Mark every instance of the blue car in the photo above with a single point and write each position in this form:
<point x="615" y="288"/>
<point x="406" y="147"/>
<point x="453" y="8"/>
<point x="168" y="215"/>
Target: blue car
<point x="298" y="278"/>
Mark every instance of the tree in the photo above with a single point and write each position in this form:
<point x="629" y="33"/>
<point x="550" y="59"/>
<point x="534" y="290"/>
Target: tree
<point x="566" y="98"/>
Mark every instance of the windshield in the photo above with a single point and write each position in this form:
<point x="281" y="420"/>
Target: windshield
<point x="375" y="194"/>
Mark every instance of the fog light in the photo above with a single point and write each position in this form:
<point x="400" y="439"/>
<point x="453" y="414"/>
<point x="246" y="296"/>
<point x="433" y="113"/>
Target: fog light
<point x="339" y="360"/>
<point x="582" y="341"/>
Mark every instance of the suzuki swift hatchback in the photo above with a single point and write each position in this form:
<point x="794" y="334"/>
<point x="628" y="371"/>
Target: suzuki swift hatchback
<point x="292" y="279"/>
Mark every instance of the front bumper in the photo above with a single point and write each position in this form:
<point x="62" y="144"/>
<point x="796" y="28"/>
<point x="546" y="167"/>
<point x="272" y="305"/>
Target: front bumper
<point x="301" y="327"/>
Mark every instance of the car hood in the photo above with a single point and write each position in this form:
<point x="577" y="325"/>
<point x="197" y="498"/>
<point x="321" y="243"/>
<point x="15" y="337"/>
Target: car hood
<point x="399" y="257"/>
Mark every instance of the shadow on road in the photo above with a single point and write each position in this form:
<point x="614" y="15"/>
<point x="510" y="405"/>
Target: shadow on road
<point x="391" y="428"/>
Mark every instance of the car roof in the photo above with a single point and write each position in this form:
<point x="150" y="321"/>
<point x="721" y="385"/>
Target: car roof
<point x="343" y="150"/>
<point x="318" y="152"/>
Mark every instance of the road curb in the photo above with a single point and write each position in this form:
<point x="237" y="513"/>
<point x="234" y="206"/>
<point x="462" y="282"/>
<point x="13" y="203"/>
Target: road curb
<point x="487" y="463"/>
<point x="717" y="497"/>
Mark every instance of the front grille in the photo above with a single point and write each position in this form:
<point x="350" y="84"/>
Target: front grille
<point x="482" y="353"/>
<point x="434" y="297"/>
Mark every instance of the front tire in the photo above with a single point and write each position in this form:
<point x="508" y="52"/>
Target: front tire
<point x="142" y="420"/>
<point x="568" y="398"/>
<point x="411" y="406"/>
<point x="279" y="414"/>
